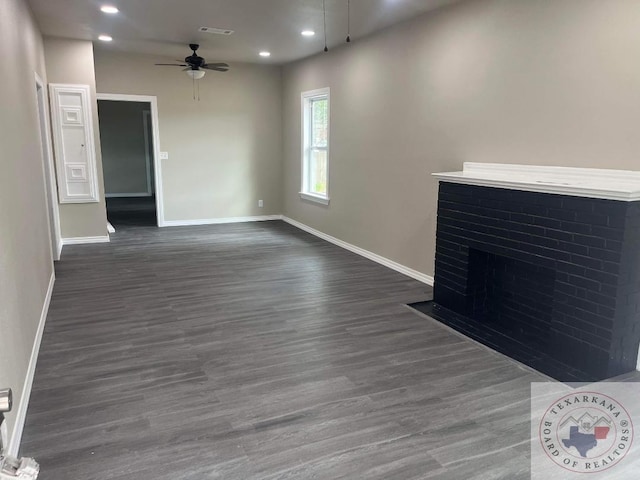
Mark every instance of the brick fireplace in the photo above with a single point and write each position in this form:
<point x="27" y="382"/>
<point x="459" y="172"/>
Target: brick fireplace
<point x="545" y="261"/>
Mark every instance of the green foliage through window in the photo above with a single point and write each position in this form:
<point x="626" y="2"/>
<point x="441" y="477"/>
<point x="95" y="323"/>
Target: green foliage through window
<point x="316" y="139"/>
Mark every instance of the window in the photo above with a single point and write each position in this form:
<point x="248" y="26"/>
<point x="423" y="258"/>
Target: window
<point x="315" y="146"/>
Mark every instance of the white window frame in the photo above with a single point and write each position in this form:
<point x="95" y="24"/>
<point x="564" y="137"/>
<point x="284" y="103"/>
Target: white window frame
<point x="306" y="98"/>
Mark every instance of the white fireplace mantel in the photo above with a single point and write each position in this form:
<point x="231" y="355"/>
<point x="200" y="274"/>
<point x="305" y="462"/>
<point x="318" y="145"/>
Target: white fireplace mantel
<point x="622" y="185"/>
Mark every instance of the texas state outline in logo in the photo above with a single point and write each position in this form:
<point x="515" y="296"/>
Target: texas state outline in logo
<point x="586" y="432"/>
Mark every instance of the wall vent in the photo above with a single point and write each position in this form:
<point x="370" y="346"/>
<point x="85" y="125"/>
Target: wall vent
<point x="217" y="31"/>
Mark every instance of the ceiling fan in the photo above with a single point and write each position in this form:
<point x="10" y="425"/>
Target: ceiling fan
<point x="196" y="65"/>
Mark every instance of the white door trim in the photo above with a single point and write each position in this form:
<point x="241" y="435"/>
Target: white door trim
<point x="153" y="101"/>
<point x="147" y="154"/>
<point x="53" y="212"/>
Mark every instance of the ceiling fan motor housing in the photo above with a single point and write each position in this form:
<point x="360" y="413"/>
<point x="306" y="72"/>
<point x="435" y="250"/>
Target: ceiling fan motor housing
<point x="194" y="61"/>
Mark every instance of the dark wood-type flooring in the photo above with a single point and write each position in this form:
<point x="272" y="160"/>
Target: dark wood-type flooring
<point x="257" y="351"/>
<point x="132" y="211"/>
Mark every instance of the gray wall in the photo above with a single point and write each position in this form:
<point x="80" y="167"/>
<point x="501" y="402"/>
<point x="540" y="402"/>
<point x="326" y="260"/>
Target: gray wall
<point x="25" y="254"/>
<point x="225" y="151"/>
<point x="534" y="82"/>
<point x="122" y="137"/>
<point x="71" y="61"/>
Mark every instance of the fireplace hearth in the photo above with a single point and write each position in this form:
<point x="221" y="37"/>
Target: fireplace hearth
<point x="543" y="264"/>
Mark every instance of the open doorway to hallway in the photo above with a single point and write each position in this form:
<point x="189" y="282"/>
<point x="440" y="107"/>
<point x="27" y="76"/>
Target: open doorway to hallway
<point x="129" y="161"/>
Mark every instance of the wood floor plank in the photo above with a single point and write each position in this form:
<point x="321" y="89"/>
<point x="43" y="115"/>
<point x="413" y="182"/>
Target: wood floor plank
<point x="257" y="351"/>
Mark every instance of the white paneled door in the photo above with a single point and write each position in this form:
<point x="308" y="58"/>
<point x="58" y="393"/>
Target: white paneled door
<point x="74" y="147"/>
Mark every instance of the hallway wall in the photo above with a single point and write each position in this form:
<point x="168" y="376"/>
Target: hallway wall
<point x="26" y="266"/>
<point x="71" y="61"/>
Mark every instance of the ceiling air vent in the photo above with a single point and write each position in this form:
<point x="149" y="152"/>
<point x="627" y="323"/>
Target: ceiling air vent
<point x="217" y="31"/>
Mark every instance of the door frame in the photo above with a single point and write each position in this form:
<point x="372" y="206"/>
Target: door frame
<point x="157" y="167"/>
<point x="48" y="167"/>
<point x="146" y="114"/>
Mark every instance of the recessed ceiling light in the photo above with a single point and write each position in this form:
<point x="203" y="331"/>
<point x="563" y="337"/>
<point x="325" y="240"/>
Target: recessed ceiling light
<point x="308" y="33"/>
<point x="105" y="38"/>
<point x="265" y="54"/>
<point x="109" y="9"/>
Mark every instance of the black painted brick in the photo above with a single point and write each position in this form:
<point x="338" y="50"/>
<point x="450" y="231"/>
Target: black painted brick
<point x="606" y="232"/>
<point x="566" y="215"/>
<point x="520" y="218"/>
<point x="593" y="218"/>
<point x="586" y="261"/>
<point x="577" y="204"/>
<point x="547" y="222"/>
<point x="574" y="227"/>
<point x="602" y="277"/>
<point x="604" y="254"/>
<point x="558" y="234"/>
<point x="611" y="208"/>
<point x="615" y="222"/>
<point x="565" y="287"/>
<point x="605" y="300"/>
<point x="589" y="241"/>
<point x="574" y="248"/>
<point x="612" y="245"/>
<point x="596" y="264"/>
<point x="583" y="282"/>
<point x="536" y="210"/>
<point x="536" y="230"/>
<point x="611" y="267"/>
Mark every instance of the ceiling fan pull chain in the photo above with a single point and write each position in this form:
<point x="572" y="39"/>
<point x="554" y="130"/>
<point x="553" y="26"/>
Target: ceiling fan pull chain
<point x="348" y="21"/>
<point x="324" y="13"/>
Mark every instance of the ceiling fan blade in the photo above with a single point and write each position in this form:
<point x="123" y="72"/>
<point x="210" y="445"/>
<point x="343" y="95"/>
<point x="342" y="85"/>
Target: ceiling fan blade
<point x="171" y="64"/>
<point x="218" y="67"/>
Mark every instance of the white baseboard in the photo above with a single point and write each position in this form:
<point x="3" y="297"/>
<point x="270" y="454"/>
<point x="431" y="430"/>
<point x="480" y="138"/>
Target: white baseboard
<point x="409" y="272"/>
<point x="59" y="247"/>
<point x="83" y="240"/>
<point x="127" y="195"/>
<point x="21" y="414"/>
<point x="216" y="221"/>
<point x="110" y="228"/>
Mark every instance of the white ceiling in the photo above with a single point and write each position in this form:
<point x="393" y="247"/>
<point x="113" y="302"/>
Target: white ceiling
<point x="165" y="27"/>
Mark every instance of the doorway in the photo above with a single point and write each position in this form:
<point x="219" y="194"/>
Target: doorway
<point x="131" y="167"/>
<point x="53" y="215"/>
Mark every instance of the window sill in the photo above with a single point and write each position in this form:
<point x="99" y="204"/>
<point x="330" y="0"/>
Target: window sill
<point x="314" y="198"/>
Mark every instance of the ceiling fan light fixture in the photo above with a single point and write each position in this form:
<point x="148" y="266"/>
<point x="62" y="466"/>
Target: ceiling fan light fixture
<point x="195" y="74"/>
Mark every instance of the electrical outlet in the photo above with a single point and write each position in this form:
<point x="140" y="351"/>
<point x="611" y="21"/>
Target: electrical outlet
<point x="260" y="203"/>
<point x="164" y="155"/>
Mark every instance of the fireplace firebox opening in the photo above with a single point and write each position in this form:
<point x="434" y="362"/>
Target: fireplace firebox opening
<point x="513" y="295"/>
